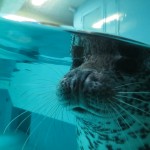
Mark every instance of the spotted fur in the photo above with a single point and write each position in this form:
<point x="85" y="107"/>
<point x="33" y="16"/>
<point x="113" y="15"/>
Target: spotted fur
<point x="108" y="89"/>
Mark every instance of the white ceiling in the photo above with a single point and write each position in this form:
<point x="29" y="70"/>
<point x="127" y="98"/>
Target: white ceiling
<point x="55" y="11"/>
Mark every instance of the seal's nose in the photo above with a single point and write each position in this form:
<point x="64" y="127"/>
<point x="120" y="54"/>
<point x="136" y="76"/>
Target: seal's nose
<point x="98" y="86"/>
<point x="105" y="92"/>
<point x="86" y="84"/>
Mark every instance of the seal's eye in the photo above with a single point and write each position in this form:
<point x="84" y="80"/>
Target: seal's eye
<point x="127" y="65"/>
<point x="77" y="56"/>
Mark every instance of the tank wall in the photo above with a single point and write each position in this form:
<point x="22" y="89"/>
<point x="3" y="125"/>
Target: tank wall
<point x="124" y="18"/>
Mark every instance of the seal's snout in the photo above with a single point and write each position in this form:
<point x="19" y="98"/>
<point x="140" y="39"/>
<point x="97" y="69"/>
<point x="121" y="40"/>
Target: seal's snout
<point x="99" y="86"/>
<point x="86" y="84"/>
<point x="73" y="83"/>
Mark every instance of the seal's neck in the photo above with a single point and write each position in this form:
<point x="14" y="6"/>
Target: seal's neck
<point x="92" y="137"/>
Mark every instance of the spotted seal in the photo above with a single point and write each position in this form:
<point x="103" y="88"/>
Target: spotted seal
<point x="108" y="90"/>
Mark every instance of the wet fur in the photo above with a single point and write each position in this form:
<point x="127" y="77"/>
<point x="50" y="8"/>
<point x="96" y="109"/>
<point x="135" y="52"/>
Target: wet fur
<point x="109" y="74"/>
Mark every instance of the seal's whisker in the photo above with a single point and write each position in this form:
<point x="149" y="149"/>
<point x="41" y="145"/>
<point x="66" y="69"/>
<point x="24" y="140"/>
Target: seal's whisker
<point x="31" y="94"/>
<point x="42" y="93"/>
<point x="132" y="116"/>
<point x="107" y="71"/>
<point x="59" y="72"/>
<point x="66" y="114"/>
<point x="114" y="116"/>
<point x="33" y="109"/>
<point x="23" y="146"/>
<point x="62" y="115"/>
<point x="39" y="108"/>
<point x="110" y="115"/>
<point x="36" y="86"/>
<point x="132" y="106"/>
<point x="33" y="85"/>
<point x="94" y="102"/>
<point x="127" y="84"/>
<point x="48" y="127"/>
<point x="8" y="125"/>
<point x="130" y="127"/>
<point x="22" y="122"/>
<point x="47" y="102"/>
<point x="47" y="133"/>
<point x="51" y="124"/>
<point x="37" y="126"/>
<point x="132" y="92"/>
<point x="119" y="123"/>
<point x="141" y="100"/>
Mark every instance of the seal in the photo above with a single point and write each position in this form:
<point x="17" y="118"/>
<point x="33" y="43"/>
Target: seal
<point x="108" y="90"/>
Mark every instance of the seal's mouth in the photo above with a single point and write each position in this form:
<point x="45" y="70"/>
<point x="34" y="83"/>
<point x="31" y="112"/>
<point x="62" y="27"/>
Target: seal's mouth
<point x="80" y="111"/>
<point x="86" y="92"/>
<point x="92" y="111"/>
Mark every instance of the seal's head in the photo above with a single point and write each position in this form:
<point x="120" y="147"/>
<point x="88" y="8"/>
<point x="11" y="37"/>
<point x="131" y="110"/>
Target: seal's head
<point x="102" y="70"/>
<point x="108" y="82"/>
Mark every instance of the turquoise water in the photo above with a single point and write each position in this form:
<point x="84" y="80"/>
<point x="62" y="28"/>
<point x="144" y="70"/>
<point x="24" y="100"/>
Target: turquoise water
<point x="33" y="59"/>
<point x="32" y="62"/>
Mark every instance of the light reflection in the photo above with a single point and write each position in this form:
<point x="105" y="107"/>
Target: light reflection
<point x="109" y="19"/>
<point x="38" y="2"/>
<point x="18" y="18"/>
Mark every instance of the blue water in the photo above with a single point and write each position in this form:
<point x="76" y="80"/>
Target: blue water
<point x="33" y="59"/>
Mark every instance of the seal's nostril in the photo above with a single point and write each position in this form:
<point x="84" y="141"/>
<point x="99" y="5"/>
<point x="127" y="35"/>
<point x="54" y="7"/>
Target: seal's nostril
<point x="106" y="92"/>
<point x="98" y="89"/>
<point x="73" y="82"/>
<point x="86" y="84"/>
<point x="83" y="78"/>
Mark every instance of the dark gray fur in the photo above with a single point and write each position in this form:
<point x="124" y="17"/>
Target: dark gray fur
<point x="103" y="68"/>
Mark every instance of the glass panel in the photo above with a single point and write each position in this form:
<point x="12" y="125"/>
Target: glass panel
<point x="67" y="65"/>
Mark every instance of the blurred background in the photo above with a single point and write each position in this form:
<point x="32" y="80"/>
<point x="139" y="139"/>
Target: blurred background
<point x="35" y="54"/>
<point x="124" y="18"/>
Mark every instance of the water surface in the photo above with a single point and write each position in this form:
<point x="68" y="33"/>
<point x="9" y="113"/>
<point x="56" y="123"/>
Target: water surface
<point x="33" y="59"/>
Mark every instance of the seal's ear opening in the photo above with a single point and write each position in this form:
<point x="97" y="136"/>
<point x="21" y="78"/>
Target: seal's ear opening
<point x="77" y="56"/>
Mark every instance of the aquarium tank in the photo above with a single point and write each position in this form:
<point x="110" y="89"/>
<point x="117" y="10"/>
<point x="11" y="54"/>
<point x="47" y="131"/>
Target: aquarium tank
<point x="35" y="54"/>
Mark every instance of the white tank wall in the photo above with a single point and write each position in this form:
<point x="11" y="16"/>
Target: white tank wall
<point x="134" y="22"/>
